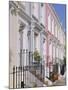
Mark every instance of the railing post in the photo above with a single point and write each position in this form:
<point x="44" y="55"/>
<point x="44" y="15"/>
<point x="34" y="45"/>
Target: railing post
<point x="23" y="76"/>
<point x="21" y="57"/>
<point x="21" y="73"/>
<point x="41" y="68"/>
<point x="22" y="82"/>
<point x="16" y="77"/>
<point x="29" y="58"/>
<point x="32" y="58"/>
<point x="13" y="76"/>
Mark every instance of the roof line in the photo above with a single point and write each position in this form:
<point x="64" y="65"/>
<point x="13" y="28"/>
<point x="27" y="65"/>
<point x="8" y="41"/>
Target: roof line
<point x="56" y="16"/>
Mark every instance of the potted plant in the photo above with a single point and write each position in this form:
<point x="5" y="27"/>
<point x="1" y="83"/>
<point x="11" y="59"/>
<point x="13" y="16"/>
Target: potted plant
<point x="54" y="76"/>
<point x="37" y="56"/>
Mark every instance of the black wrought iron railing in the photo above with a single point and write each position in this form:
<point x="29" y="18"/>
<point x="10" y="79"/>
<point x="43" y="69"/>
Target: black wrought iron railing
<point x="20" y="75"/>
<point x="24" y="73"/>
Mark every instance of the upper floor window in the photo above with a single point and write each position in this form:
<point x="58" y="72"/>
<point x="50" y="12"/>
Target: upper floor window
<point x="56" y="52"/>
<point x="53" y="51"/>
<point x="56" y="30"/>
<point x="49" y="22"/>
<point x="50" y="49"/>
<point x="52" y="26"/>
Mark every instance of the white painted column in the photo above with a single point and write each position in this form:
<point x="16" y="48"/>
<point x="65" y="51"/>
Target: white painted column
<point x="47" y="71"/>
<point x="59" y="69"/>
<point x="41" y="44"/>
<point x="59" y="60"/>
<point x="32" y="40"/>
<point x="38" y="42"/>
<point x="18" y="45"/>
<point x="25" y="44"/>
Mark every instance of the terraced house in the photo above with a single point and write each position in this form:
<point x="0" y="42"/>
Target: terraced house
<point x="35" y="44"/>
<point x="55" y="41"/>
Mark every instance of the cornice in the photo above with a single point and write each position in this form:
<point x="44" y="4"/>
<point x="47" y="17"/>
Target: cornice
<point x="44" y="32"/>
<point x="17" y="8"/>
<point x="23" y="15"/>
<point x="20" y="5"/>
<point x="37" y="26"/>
<point x="56" y="16"/>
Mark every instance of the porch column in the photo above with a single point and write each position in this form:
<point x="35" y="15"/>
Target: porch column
<point x="47" y="66"/>
<point x="59" y="69"/>
<point x="32" y="36"/>
<point x="41" y="44"/>
<point x="31" y="41"/>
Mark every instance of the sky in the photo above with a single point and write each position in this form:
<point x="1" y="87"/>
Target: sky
<point x="61" y="12"/>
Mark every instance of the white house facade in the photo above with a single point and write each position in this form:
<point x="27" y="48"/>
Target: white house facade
<point x="27" y="34"/>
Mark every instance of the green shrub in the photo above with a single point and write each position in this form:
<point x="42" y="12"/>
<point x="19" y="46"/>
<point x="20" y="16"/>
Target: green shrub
<point x="37" y="56"/>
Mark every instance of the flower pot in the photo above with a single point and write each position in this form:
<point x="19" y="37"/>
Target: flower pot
<point x="55" y="76"/>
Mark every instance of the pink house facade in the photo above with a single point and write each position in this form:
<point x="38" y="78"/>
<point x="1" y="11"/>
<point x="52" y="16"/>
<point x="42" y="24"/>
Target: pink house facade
<point x="55" y="41"/>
